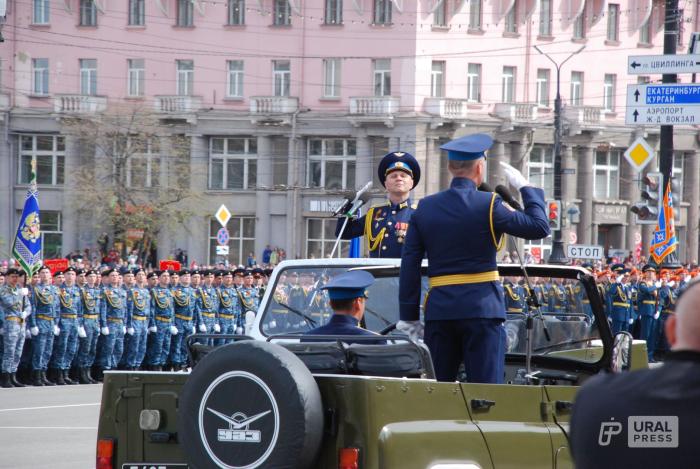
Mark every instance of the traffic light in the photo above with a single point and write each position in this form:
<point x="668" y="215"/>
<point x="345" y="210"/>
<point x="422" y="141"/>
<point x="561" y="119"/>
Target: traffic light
<point x="647" y="210"/>
<point x="676" y="196"/>
<point x="554" y="214"/>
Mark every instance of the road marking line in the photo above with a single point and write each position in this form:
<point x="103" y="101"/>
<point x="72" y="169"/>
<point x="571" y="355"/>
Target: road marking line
<point x="48" y="428"/>
<point x="50" y="407"/>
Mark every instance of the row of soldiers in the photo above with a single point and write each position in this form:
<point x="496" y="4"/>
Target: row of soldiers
<point x="89" y="322"/>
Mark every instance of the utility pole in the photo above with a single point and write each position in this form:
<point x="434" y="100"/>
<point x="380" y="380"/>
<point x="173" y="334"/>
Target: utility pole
<point x="557" y="256"/>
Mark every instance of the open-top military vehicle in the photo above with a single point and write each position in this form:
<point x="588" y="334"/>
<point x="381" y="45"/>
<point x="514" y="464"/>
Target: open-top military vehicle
<point x="268" y="400"/>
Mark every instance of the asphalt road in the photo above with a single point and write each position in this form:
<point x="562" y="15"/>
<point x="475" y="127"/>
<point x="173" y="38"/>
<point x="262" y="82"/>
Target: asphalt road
<point x="49" y="427"/>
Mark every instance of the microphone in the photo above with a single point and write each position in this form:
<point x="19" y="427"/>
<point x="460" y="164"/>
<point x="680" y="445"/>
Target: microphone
<point x="508" y="197"/>
<point x="484" y="187"/>
<point x="361" y="198"/>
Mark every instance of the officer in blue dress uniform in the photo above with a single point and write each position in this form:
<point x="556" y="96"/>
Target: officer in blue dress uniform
<point x="185" y="301"/>
<point x="384" y="226"/>
<point x="347" y="295"/>
<point x="648" y="302"/>
<point x="618" y="300"/>
<point x="461" y="229"/>
<point x="516" y="300"/>
<point x="207" y="306"/>
<point x="113" y="310"/>
<point x="229" y="306"/>
<point x="87" y="348"/>
<point x="43" y="323"/>
<point x="138" y="318"/>
<point x="162" y="327"/>
<point x="13" y="312"/>
<point x="70" y="324"/>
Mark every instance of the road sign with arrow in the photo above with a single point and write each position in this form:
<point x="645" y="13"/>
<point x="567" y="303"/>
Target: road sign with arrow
<point x="661" y="64"/>
<point x="663" y="104"/>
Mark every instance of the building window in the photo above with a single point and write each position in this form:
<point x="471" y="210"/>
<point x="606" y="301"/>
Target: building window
<point x="440" y="14"/>
<point x="241" y="240"/>
<point x="40" y="77"/>
<point x="606" y="183"/>
<point x="677" y="173"/>
<point x="334" y="12"/>
<point x="474" y="83"/>
<point x="332" y="163"/>
<point x="546" y="18"/>
<point x="508" y="85"/>
<point x="331" y="78"/>
<point x="185" y="77"/>
<point x="382" y="11"/>
<point x="282" y="77"/>
<point x="645" y="33"/>
<point x="320" y="239"/>
<point x="136" y="77"/>
<point x="382" y="77"/>
<point x="40" y="12"/>
<point x="680" y="18"/>
<point x="437" y="79"/>
<point x="137" y="12"/>
<point x="88" y="77"/>
<point x="234" y="80"/>
<point x="609" y="92"/>
<point x="49" y="151"/>
<point x="542" y="96"/>
<point x="143" y="163"/>
<point x="236" y="12"/>
<point x="613" y="22"/>
<point x="185" y="13"/>
<point x="282" y="13"/>
<point x="576" y="88"/>
<point x="51" y="234"/>
<point x="233" y="163"/>
<point x="88" y="13"/>
<point x="511" y="23"/>
<point x="474" y="14"/>
<point x="540" y="168"/>
<point x="580" y="26"/>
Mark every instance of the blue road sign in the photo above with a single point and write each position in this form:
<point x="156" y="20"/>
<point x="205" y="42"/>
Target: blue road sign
<point x="222" y="236"/>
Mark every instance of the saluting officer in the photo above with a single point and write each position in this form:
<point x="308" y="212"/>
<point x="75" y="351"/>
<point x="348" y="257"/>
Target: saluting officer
<point x="384" y="226"/>
<point x="461" y="229"/>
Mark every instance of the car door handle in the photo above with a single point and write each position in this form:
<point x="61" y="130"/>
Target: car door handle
<point x="563" y="406"/>
<point x="481" y="404"/>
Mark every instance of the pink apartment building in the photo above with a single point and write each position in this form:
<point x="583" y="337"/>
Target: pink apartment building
<point x="286" y="103"/>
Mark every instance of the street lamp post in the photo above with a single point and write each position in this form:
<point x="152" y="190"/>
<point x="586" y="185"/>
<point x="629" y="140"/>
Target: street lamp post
<point x="557" y="255"/>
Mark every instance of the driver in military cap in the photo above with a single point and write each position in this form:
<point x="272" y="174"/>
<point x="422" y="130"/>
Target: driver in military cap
<point x="384" y="226"/>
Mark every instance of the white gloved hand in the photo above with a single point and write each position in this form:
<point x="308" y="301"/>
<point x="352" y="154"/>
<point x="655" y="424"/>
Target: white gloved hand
<point x="656" y="316"/>
<point x="194" y="330"/>
<point x="619" y="278"/>
<point x="24" y="315"/>
<point x="249" y="321"/>
<point x="239" y="330"/>
<point x="273" y="324"/>
<point x="24" y="291"/>
<point x="631" y="321"/>
<point x="27" y="334"/>
<point x="202" y="328"/>
<point x="514" y="177"/>
<point x="81" y="332"/>
<point x="687" y="278"/>
<point x="56" y="330"/>
<point x="217" y="328"/>
<point x="105" y="331"/>
<point x="153" y="329"/>
<point x="34" y="331"/>
<point x="130" y="330"/>
<point x="657" y="284"/>
<point x="672" y="283"/>
<point x="173" y="330"/>
<point x="123" y="329"/>
<point x="414" y="329"/>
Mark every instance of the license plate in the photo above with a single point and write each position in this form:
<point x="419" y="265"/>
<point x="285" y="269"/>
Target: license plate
<point x="153" y="465"/>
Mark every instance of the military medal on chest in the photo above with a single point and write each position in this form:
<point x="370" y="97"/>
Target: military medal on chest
<point x="400" y="229"/>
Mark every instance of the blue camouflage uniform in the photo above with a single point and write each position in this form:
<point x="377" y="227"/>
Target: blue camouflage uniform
<point x="186" y="317"/>
<point x="14" y="308"/>
<point x="162" y="313"/>
<point x="385" y="226"/>
<point x="461" y="229"/>
<point x="113" y="316"/>
<point x="207" y="306"/>
<point x="71" y="317"/>
<point x="249" y="300"/>
<point x="647" y="299"/>
<point x="87" y="347"/>
<point x="229" y="310"/>
<point x="138" y="318"/>
<point x="44" y="300"/>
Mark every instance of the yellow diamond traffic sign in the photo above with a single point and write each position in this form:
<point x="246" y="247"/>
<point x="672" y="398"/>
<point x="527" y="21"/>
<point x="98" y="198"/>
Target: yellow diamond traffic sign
<point x="639" y="154"/>
<point x="223" y="215"/>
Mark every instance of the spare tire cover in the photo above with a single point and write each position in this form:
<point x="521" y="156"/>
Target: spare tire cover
<point x="250" y="404"/>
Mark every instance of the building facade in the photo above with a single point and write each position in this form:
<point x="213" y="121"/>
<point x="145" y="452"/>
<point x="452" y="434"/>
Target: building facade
<point x="287" y="103"/>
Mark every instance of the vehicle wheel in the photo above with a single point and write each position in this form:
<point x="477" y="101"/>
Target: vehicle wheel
<point x="250" y="404"/>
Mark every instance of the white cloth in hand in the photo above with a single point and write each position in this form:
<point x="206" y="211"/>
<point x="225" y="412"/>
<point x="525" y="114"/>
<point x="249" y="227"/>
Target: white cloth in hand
<point x="130" y="330"/>
<point x="81" y="332"/>
<point x="153" y="329"/>
<point x="56" y="330"/>
<point x="657" y="284"/>
<point x="202" y="328"/>
<point x="24" y="291"/>
<point x="414" y="329"/>
<point x="194" y="330"/>
<point x="173" y="330"/>
<point x="27" y="334"/>
<point x="631" y="321"/>
<point x="104" y="331"/>
<point x="34" y="330"/>
<point x="656" y="316"/>
<point x="514" y="177"/>
<point x="217" y="328"/>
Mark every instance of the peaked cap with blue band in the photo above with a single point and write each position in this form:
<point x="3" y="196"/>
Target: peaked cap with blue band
<point x="399" y="161"/>
<point x="349" y="285"/>
<point x="470" y="147"/>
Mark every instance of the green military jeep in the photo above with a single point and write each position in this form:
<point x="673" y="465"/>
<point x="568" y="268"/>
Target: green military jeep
<point x="268" y="400"/>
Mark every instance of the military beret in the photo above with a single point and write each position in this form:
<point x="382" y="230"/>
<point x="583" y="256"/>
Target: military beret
<point x="470" y="147"/>
<point x="268" y="272"/>
<point x="70" y="269"/>
<point x="219" y="273"/>
<point x="258" y="272"/>
<point x="399" y="161"/>
<point x="239" y="272"/>
<point x="91" y="272"/>
<point x="12" y="271"/>
<point x="2" y="274"/>
<point x="195" y="272"/>
<point x="106" y="272"/>
<point x="57" y="273"/>
<point x="247" y="273"/>
<point x="174" y="272"/>
<point x="151" y="275"/>
<point x="349" y="285"/>
<point x="184" y="272"/>
<point x="44" y="267"/>
<point x="136" y="270"/>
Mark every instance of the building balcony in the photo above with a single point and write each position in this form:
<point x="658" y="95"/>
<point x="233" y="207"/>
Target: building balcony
<point x="373" y="109"/>
<point x="79" y="104"/>
<point x="178" y="104"/>
<point x="273" y="105"/>
<point x="446" y="108"/>
<point x="582" y="118"/>
<point x="516" y="112"/>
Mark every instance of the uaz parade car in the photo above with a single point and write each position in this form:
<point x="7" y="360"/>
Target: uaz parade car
<point x="269" y="400"/>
